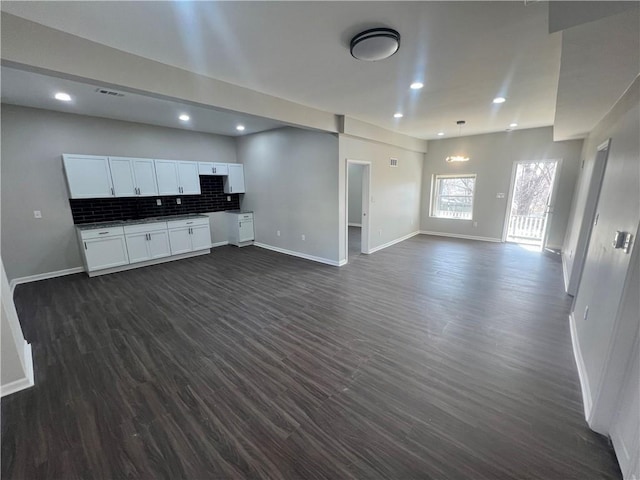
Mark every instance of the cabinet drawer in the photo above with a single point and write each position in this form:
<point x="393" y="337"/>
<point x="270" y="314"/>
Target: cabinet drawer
<point x="189" y="222"/>
<point x="145" y="227"/>
<point x="101" y="232"/>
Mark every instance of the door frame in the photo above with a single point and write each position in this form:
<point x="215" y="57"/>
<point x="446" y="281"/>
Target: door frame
<point x="366" y="206"/>
<point x="551" y="202"/>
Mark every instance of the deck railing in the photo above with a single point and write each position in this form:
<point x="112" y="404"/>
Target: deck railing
<point x="526" y="227"/>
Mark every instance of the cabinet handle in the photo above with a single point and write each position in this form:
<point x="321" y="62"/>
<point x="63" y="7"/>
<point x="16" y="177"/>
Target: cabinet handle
<point x="214" y="169"/>
<point x="85" y="245"/>
<point x="103" y="233"/>
<point x="112" y="192"/>
<point x="189" y="223"/>
<point x="230" y="189"/>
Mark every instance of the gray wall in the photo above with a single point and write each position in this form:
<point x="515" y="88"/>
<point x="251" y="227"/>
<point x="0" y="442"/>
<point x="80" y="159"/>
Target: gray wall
<point x="291" y="178"/>
<point x="491" y="159"/>
<point x="355" y="194"/>
<point x="607" y="271"/>
<point x="395" y="191"/>
<point x="32" y="177"/>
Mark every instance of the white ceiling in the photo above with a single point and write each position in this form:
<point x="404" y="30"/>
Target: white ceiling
<point x="35" y="90"/>
<point x="466" y="53"/>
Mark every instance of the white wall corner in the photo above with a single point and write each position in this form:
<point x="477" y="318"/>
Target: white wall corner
<point x="393" y="242"/>
<point x="293" y="253"/>
<point x="582" y="371"/>
<point x="27" y="381"/>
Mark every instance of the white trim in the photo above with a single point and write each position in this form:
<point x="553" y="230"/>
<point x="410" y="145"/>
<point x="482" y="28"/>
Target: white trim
<point x="21" y="383"/>
<point x="44" y="276"/>
<point x="365" y="236"/>
<point x="219" y="244"/>
<point x="351" y="224"/>
<point x="298" y="254"/>
<point x="565" y="273"/>
<point x="393" y="242"/>
<point x="342" y="262"/>
<point x="157" y="261"/>
<point x="456" y="235"/>
<point x="582" y="371"/>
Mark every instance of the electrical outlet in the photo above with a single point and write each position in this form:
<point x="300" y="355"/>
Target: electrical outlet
<point x="278" y="233"/>
<point x="178" y="201"/>
<point x="475" y="224"/>
<point x="500" y="195"/>
<point x="586" y="312"/>
<point x="37" y="214"/>
<point x="228" y="198"/>
<point x="303" y="236"/>
<point x="158" y="202"/>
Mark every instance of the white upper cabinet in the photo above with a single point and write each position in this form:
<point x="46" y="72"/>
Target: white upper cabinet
<point x="88" y="176"/>
<point x="175" y="177"/>
<point x="189" y="180"/>
<point x="122" y="177"/>
<point x="211" y="168"/>
<point x="144" y="175"/>
<point x="234" y="182"/>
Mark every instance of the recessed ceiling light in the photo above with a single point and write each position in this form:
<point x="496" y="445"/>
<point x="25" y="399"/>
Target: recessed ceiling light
<point x="240" y="128"/>
<point x="416" y="85"/>
<point x="184" y="117"/>
<point x="513" y="125"/>
<point x="63" y="97"/>
<point x="499" y="100"/>
<point x="398" y="115"/>
<point x="440" y="134"/>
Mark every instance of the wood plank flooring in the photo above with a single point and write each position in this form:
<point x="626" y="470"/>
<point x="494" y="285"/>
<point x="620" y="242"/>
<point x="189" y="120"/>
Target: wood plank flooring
<point x="432" y="359"/>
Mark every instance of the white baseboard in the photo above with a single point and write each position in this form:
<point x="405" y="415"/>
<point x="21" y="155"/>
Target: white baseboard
<point x="554" y="247"/>
<point x="466" y="237"/>
<point x="355" y="224"/>
<point x="22" y="383"/>
<point x="44" y="276"/>
<point x="306" y="256"/>
<point x="393" y="242"/>
<point x="582" y="371"/>
<point x="342" y="262"/>
<point x="148" y="263"/>
<point x="219" y="244"/>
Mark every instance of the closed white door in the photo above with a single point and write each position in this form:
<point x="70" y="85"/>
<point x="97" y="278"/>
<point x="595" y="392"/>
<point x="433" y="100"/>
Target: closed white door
<point x="88" y="176"/>
<point x="138" y="247"/>
<point x="144" y="174"/>
<point x="234" y="182"/>
<point x="122" y="177"/>
<point x="246" y="230"/>
<point x="180" y="240"/>
<point x="167" y="177"/>
<point x="200" y="237"/>
<point x="105" y="252"/>
<point x="189" y="180"/>
<point x="159" y="244"/>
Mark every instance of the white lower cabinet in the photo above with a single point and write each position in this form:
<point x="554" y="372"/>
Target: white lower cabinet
<point x="147" y="241"/>
<point x="189" y="235"/>
<point x="104" y="248"/>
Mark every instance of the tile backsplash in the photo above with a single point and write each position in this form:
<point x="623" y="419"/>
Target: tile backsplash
<point x="212" y="199"/>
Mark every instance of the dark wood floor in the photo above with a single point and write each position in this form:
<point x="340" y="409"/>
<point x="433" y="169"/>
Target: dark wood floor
<point x="433" y="358"/>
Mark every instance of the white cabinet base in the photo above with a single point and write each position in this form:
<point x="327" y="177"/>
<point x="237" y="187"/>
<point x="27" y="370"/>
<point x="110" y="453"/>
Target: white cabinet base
<point x="148" y="263"/>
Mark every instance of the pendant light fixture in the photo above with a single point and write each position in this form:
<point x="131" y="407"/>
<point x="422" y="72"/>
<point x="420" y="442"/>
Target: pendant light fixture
<point x="458" y="158"/>
<point x="375" y="44"/>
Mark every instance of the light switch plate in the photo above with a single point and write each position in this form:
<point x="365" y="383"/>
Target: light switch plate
<point x="178" y="201"/>
<point x="158" y="202"/>
<point x="37" y="214"/>
<point x="500" y="195"/>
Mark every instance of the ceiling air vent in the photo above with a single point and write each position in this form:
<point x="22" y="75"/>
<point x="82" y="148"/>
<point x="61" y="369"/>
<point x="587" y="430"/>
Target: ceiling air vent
<point x="393" y="162"/>
<point x="112" y="93"/>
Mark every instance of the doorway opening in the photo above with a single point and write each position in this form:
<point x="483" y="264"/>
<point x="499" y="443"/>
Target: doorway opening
<point x="531" y="202"/>
<point x="357" y="217"/>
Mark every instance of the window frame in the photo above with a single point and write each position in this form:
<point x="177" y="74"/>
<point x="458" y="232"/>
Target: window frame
<point x="435" y="197"/>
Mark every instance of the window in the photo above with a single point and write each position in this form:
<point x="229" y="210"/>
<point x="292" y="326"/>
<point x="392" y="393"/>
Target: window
<point x="453" y="196"/>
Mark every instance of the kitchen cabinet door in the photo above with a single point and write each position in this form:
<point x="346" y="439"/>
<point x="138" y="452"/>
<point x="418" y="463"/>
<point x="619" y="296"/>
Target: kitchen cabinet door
<point x="167" y="177"/>
<point x="88" y="176"/>
<point x="180" y="240"/>
<point x="220" y="169"/>
<point x="144" y="174"/>
<point x="138" y="247"/>
<point x="189" y="180"/>
<point x="234" y="182"/>
<point x="159" y="244"/>
<point x="122" y="177"/>
<point x="205" y="168"/>
<point x="105" y="252"/>
<point x="200" y="237"/>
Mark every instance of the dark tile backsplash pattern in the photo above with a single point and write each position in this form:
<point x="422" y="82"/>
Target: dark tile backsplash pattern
<point x="212" y="199"/>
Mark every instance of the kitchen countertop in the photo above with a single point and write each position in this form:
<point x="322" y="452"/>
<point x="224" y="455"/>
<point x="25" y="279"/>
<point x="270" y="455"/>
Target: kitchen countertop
<point x="123" y="223"/>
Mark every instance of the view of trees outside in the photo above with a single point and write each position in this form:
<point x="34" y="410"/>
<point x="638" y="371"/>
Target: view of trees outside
<point x="455" y="197"/>
<point x="532" y="188"/>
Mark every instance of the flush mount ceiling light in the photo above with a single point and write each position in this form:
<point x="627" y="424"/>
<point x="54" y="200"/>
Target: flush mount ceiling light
<point x="458" y="158"/>
<point x="499" y="100"/>
<point x="398" y="115"/>
<point x="184" y="117"/>
<point x="416" y="85"/>
<point x="63" y="97"/>
<point x="240" y="128"/>
<point x="375" y="44"/>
